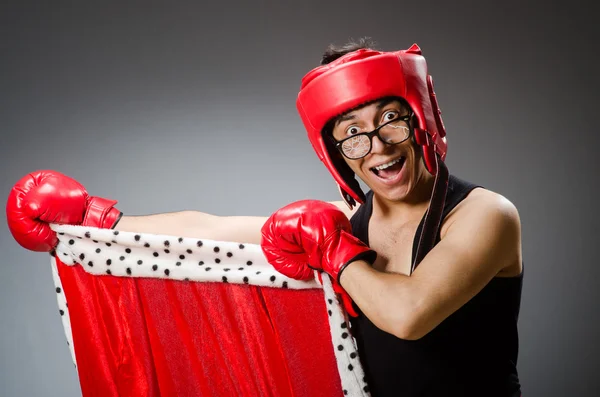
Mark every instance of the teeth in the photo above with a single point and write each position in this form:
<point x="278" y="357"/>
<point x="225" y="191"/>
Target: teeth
<point x="386" y="165"/>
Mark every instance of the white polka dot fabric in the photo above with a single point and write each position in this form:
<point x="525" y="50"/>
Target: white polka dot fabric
<point x="129" y="254"/>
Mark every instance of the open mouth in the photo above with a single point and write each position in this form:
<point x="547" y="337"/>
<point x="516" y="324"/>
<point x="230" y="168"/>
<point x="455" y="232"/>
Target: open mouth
<point x="389" y="170"/>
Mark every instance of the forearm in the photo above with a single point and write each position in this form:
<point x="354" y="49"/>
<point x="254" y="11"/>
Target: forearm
<point x="195" y="224"/>
<point x="385" y="298"/>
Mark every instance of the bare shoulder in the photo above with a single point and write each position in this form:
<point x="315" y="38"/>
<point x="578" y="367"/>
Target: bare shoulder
<point x="484" y="205"/>
<point x="491" y="220"/>
<point x="344" y="208"/>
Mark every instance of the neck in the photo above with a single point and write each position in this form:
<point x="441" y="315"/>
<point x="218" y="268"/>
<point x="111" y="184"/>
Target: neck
<point x="412" y="206"/>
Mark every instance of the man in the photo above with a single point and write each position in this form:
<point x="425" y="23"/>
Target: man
<point x="448" y="326"/>
<point x="439" y="321"/>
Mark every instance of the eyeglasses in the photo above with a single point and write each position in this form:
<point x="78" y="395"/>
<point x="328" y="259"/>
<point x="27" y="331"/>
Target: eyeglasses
<point x="359" y="145"/>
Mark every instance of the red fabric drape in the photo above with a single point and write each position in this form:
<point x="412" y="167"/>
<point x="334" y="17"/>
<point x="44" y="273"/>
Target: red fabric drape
<point x="154" y="337"/>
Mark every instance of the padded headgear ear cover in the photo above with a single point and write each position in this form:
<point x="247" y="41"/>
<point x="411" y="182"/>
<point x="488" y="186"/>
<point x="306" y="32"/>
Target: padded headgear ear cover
<point x="358" y="78"/>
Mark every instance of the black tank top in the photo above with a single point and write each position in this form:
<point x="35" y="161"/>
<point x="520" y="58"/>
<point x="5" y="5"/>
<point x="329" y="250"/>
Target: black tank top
<point x="471" y="353"/>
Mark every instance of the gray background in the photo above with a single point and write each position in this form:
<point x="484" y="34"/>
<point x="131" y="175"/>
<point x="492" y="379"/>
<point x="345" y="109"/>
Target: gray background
<point x="172" y="107"/>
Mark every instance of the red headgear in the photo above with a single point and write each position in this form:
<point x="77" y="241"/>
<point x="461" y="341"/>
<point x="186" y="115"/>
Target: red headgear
<point x="360" y="77"/>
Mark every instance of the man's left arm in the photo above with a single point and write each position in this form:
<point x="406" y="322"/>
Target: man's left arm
<point x="479" y="243"/>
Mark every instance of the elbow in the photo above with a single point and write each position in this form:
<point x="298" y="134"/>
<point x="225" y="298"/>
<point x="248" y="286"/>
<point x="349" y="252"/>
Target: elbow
<point x="407" y="331"/>
<point x="409" y="325"/>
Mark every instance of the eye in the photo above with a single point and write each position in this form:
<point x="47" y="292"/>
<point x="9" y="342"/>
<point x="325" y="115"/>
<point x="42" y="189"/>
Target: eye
<point x="352" y="130"/>
<point x="390" y="115"/>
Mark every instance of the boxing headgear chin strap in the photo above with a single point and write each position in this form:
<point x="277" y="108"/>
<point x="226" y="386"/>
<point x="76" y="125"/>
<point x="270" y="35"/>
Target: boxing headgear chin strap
<point x="363" y="76"/>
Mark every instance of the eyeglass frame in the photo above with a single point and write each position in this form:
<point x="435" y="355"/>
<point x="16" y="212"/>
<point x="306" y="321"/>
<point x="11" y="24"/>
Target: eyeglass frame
<point x="338" y="144"/>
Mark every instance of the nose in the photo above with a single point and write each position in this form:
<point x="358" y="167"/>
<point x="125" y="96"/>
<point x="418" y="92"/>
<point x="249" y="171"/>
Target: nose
<point x="377" y="145"/>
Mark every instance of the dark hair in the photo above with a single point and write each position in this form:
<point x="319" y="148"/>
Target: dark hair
<point x="334" y="52"/>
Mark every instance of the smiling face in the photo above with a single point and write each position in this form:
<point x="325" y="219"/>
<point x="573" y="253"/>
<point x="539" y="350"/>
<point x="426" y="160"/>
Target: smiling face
<point x="391" y="171"/>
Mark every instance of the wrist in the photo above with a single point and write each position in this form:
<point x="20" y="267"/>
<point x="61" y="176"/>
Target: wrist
<point x="348" y="250"/>
<point x="101" y="213"/>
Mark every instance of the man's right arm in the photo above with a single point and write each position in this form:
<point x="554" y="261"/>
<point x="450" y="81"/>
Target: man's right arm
<point x="195" y="224"/>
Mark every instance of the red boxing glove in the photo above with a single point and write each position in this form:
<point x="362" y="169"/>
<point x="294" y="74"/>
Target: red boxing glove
<point x="311" y="234"/>
<point x="44" y="197"/>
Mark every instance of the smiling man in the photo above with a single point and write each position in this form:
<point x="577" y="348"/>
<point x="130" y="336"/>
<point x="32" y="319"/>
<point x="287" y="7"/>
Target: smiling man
<point x="437" y="320"/>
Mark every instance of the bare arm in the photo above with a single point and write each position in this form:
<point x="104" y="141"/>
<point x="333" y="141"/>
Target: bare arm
<point x="241" y="229"/>
<point x="475" y="248"/>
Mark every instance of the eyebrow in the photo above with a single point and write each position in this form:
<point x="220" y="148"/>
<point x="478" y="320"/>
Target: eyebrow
<point x="380" y="105"/>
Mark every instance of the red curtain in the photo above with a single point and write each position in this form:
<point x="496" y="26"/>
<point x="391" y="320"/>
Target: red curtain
<point x="154" y="337"/>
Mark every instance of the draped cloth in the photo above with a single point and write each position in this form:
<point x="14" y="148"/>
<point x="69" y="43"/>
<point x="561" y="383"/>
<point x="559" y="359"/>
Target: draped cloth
<point x="158" y="315"/>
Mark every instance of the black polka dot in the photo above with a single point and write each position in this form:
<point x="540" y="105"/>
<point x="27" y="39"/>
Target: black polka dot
<point x="154" y="267"/>
<point x="108" y="244"/>
<point x="98" y="250"/>
<point x="284" y="285"/>
<point x="345" y="392"/>
<point x="340" y="347"/>
<point x="128" y="250"/>
<point x="329" y="312"/>
<point x="272" y="278"/>
<point x="116" y="232"/>
<point x="139" y="262"/>
<point x="78" y="237"/>
<point x="258" y="272"/>
<point x="216" y="249"/>
<point x="189" y="251"/>
<point x="62" y="312"/>
<point x="71" y="242"/>
<point x="58" y="290"/>
<point x="114" y="241"/>
<point x="229" y="254"/>
<point x="241" y="246"/>
<point x="249" y="263"/>
<point x="64" y="253"/>
<point x="167" y="252"/>
<point x="344" y="335"/>
<point x="137" y="237"/>
<point x="350" y="367"/>
<point x="96" y="241"/>
<point x="344" y="325"/>
<point x="199" y="243"/>
<point x="81" y="256"/>
<point x="146" y="245"/>
<point x="217" y="260"/>
<point x="330" y="301"/>
<point x="226" y="269"/>
<point x="155" y="254"/>
<point x="353" y="355"/>
<point x="167" y="271"/>
<point x="186" y="279"/>
<point x="91" y="264"/>
<point x="181" y="257"/>
<point x="88" y="235"/>
<point x="180" y="239"/>
<point x="122" y="258"/>
<point x="207" y="269"/>
<point x="201" y="263"/>
<point x="128" y="271"/>
<point x="108" y="271"/>
<point x="62" y="233"/>
<point x="224" y="279"/>
<point x="167" y="243"/>
<point x="241" y="268"/>
<point x="108" y="262"/>
<point x="245" y="280"/>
